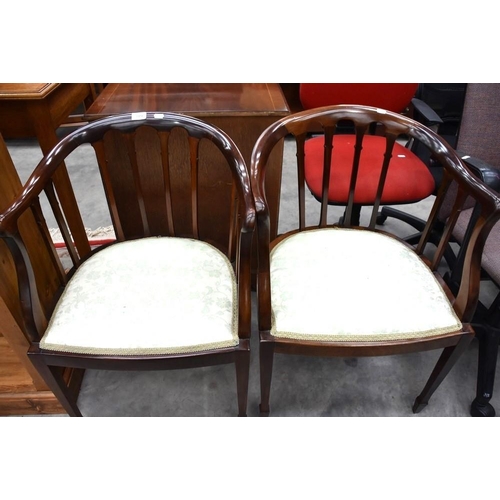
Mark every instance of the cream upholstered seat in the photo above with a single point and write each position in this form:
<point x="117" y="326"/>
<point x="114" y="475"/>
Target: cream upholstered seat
<point x="314" y="295"/>
<point x="149" y="296"/>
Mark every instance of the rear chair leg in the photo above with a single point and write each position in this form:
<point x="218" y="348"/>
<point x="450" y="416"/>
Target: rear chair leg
<point x="444" y="364"/>
<point x="266" y="372"/>
<point x="242" y="363"/>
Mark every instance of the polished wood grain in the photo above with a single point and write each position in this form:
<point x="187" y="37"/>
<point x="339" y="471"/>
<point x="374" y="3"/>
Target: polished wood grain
<point x="22" y="389"/>
<point x="33" y="232"/>
<point x="24" y="91"/>
<point x="196" y="99"/>
<point x="465" y="299"/>
<point x="138" y="179"/>
<point x="242" y="110"/>
<point x="27" y="109"/>
<point x="22" y="392"/>
<point x="15" y="354"/>
<point x="37" y="110"/>
<point x="291" y="91"/>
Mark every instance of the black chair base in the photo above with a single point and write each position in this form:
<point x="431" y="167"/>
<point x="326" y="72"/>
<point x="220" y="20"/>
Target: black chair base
<point x="481" y="409"/>
<point x="488" y="337"/>
<point x="417" y="223"/>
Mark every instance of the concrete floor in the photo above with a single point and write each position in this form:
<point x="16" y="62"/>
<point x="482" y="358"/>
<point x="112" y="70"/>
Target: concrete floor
<point x="383" y="386"/>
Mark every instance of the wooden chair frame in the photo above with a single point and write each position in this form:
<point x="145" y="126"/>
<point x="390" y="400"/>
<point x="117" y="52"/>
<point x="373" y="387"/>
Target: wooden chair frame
<point x="394" y="126"/>
<point x="37" y="308"/>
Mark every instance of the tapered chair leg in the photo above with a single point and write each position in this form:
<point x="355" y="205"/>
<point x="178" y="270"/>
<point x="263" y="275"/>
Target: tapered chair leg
<point x="266" y="372"/>
<point x="488" y="353"/>
<point x="443" y="366"/>
<point x="56" y="384"/>
<point x="242" y="377"/>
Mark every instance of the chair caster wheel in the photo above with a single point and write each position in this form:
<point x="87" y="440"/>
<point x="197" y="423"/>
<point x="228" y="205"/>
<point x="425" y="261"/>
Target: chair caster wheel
<point x="478" y="409"/>
<point x="381" y="218"/>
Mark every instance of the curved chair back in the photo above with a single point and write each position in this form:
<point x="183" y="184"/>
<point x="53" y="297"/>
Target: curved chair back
<point x="393" y="126"/>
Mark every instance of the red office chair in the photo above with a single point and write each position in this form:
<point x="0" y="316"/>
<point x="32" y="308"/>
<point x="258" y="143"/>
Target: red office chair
<point x="408" y="178"/>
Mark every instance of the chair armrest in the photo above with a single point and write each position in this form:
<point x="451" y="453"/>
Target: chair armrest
<point x="430" y="117"/>
<point x="488" y="174"/>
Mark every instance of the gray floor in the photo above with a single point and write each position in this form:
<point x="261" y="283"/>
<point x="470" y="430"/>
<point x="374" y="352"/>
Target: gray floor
<point x="384" y="386"/>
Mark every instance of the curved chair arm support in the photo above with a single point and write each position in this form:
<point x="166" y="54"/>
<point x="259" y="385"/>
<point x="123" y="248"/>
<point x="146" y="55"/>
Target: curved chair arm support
<point x="260" y="155"/>
<point x="468" y="293"/>
<point x="33" y="316"/>
<point x="244" y="275"/>
<point x="491" y="177"/>
<point x="128" y="122"/>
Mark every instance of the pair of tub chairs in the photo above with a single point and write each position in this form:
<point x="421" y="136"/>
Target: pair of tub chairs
<point x="165" y="295"/>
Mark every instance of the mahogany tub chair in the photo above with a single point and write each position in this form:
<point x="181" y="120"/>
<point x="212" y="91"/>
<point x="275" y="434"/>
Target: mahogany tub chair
<point x="409" y="179"/>
<point x="160" y="296"/>
<point x="319" y="285"/>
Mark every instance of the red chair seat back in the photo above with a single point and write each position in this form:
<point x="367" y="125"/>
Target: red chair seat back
<point x="391" y="96"/>
<point x="408" y="178"/>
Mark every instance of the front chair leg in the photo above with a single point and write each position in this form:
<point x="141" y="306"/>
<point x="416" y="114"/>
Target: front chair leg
<point x="242" y="363"/>
<point x="488" y="338"/>
<point x="56" y="384"/>
<point x="444" y="364"/>
<point x="266" y="372"/>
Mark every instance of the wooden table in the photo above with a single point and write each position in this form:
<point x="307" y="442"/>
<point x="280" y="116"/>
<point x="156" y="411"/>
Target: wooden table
<point x="242" y="110"/>
<point x="38" y="109"/>
<point x="30" y="110"/>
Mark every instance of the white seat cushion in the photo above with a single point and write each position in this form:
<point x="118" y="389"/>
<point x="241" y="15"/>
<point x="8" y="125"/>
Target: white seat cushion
<point x="353" y="285"/>
<point x="148" y="296"/>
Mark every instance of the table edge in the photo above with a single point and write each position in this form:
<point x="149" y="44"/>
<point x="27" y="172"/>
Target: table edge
<point x="40" y="94"/>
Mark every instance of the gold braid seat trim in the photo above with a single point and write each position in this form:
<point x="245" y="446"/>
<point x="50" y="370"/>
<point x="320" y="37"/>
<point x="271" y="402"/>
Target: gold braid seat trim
<point x="160" y="295"/>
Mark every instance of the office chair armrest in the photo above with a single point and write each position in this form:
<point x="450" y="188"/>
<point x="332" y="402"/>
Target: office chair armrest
<point x="487" y="173"/>
<point x="430" y="117"/>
